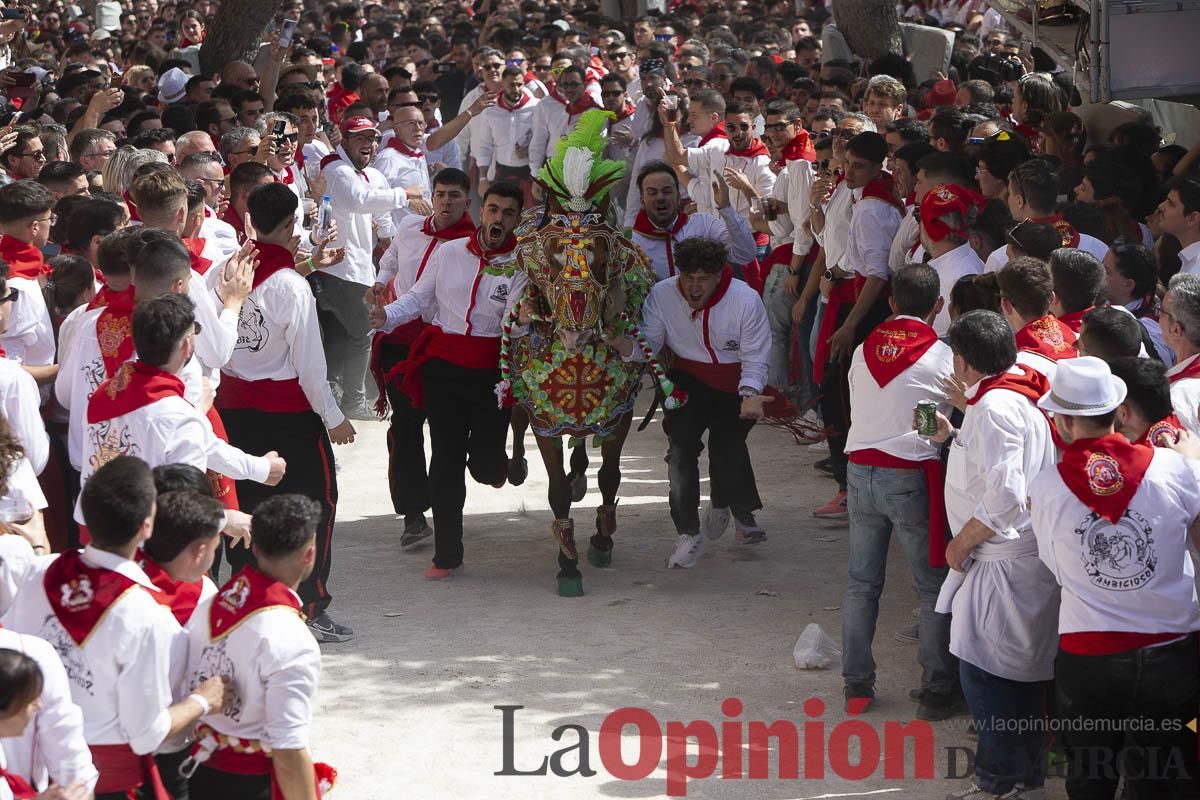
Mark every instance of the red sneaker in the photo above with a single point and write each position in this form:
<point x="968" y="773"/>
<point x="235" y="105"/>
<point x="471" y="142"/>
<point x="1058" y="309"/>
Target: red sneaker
<point x="436" y="573"/>
<point x="834" y="509"/>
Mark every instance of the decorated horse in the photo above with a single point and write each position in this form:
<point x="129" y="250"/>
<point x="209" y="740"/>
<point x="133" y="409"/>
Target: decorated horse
<point x="587" y="283"/>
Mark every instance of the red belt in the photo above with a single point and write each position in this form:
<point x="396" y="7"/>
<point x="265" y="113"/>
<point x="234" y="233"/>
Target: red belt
<point x="122" y="770"/>
<point x="469" y="352"/>
<point x="281" y="397"/>
<point x="842" y="293"/>
<point x="224" y="488"/>
<point x="935" y="488"/>
<point x="720" y="377"/>
<point x="403" y="336"/>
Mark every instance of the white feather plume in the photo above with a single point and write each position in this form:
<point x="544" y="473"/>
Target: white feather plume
<point x="577" y="170"/>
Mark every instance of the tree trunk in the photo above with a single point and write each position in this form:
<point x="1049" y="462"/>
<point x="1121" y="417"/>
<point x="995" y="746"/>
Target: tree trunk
<point x="870" y="27"/>
<point x="236" y="33"/>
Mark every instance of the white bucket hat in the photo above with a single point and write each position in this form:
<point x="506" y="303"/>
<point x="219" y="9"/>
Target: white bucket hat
<point x="1083" y="387"/>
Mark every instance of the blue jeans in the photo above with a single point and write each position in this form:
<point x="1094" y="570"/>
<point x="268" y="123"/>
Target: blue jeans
<point x="883" y="501"/>
<point x="1009" y="719"/>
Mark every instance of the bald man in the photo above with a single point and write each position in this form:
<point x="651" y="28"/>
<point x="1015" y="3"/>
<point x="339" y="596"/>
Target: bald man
<point x="241" y="75"/>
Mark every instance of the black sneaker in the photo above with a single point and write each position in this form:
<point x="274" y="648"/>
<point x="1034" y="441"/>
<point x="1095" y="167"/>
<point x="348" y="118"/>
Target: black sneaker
<point x="936" y="707"/>
<point x="824" y="465"/>
<point x="859" y="697"/>
<point x="415" y="529"/>
<point x="326" y="631"/>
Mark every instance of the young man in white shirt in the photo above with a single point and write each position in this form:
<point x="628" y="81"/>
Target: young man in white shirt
<point x="896" y="486"/>
<point x="274" y="396"/>
<point x="1181" y="218"/>
<point x="19" y="395"/>
<point x="503" y="134"/>
<point x="706" y="119"/>
<point x="716" y="326"/>
<point x="96" y="608"/>
<point x="405" y="261"/>
<point x="453" y="367"/>
<point x="1114" y="523"/>
<point x="661" y="225"/>
<point x="1004" y="602"/>
<point x="1078" y="279"/>
<point x="1026" y="295"/>
<point x="946" y="214"/>
<point x="253" y="630"/>
<point x="25" y="210"/>
<point x="747" y="163"/>
<point x="1146" y="415"/>
<point x="1180" y="319"/>
<point x="554" y="116"/>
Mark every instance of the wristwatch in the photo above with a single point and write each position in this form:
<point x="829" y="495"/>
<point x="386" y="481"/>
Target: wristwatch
<point x="746" y="391"/>
<point x="829" y="275"/>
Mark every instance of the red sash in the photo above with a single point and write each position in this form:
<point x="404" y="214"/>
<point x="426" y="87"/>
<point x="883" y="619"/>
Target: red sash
<point x="277" y="397"/>
<point x="122" y="771"/>
<point x="935" y="484"/>
<point x="257" y="762"/>
<point x="24" y="260"/>
<point x="1192" y="370"/>
<point x="106" y="295"/>
<point x="843" y="292"/>
<point x="799" y="148"/>
<point x="1104" y="473"/>
<point x="136" y="384"/>
<point x="179" y="596"/>
<point x="895" y="346"/>
<point x="645" y="227"/>
<point x="718" y="132"/>
<point x="1070" y="236"/>
<point x="245" y="594"/>
<point x="756" y="149"/>
<point x="1030" y="384"/>
<point x="1163" y="433"/>
<point x="80" y="595"/>
<point x="1074" y="320"/>
<point x="114" y="331"/>
<point x="195" y="248"/>
<point x="1047" y="336"/>
<point x="469" y="352"/>
<point x="714" y="375"/>
<point x="20" y="788"/>
<point x="1106" y="643"/>
<point x="271" y="259"/>
<point x="224" y="487"/>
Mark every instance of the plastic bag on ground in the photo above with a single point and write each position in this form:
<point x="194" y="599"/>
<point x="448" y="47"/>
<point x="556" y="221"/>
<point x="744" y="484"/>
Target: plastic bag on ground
<point x="815" y="649"/>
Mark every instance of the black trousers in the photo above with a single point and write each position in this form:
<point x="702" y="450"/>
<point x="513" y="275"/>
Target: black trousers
<point x="168" y="769"/>
<point x="302" y="441"/>
<point x="211" y="784"/>
<point x="1126" y="713"/>
<point x="408" y="479"/>
<point x="835" y="388"/>
<point x="467" y="430"/>
<point x="730" y="472"/>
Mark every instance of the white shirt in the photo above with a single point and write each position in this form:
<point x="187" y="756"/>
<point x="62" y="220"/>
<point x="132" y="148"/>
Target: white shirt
<point x="1185" y="395"/>
<point x="469" y="300"/>
<point x="299" y="187"/>
<point x="220" y="239"/>
<point x="407" y="258"/>
<point x="275" y="665"/>
<point x="734" y="330"/>
<point x="499" y="133"/>
<point x="359" y="199"/>
<point x="758" y="170"/>
<point x="550" y="123"/>
<point x="279" y="339"/>
<point x="1088" y="244"/>
<point x="120" y="678"/>
<point x="794" y="187"/>
<point x="881" y="416"/>
<point x="703" y="162"/>
<point x="908" y="234"/>
<point x="52" y="746"/>
<point x="835" y="234"/>
<point x="404" y="171"/>
<point x="19" y="401"/>
<point x="1134" y="576"/>
<point x="218" y="326"/>
<point x="29" y="338"/>
<point x="448" y="155"/>
<point x="873" y="225"/>
<point x="647" y="150"/>
<point x="1189" y="259"/>
<point x="730" y="228"/>
<point x="951" y="266"/>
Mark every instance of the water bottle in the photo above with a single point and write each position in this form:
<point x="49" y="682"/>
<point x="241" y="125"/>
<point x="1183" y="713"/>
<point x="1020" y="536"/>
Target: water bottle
<point x="325" y="219"/>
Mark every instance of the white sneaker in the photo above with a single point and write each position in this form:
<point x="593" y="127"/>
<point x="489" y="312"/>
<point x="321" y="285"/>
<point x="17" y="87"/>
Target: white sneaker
<point x="822" y="445"/>
<point x="973" y="792"/>
<point x="687" y="551"/>
<point x="715" y="521"/>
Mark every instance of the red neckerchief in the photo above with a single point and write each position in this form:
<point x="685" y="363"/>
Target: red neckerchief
<point x="799" y="148"/>
<point x="485" y="258"/>
<point x="179" y="596"/>
<point x="133" y="212"/>
<point x="627" y="111"/>
<point x="24" y="260"/>
<point x="464" y="227"/>
<point x="20" y="788"/>
<point x="136" y="385"/>
<point x="645" y="227"/>
<point x="114" y="331"/>
<point x="579" y="106"/>
<point x="882" y="188"/>
<point x="911" y="200"/>
<point x="336" y="155"/>
<point x="502" y="101"/>
<point x="299" y="157"/>
<point x="403" y="149"/>
<point x="895" y="346"/>
<point x="106" y="295"/>
<point x="288" y="178"/>
<point x="247" y="593"/>
<point x="195" y="247"/>
<point x="1192" y="370"/>
<point x="80" y="595"/>
<point x="1104" y="473"/>
<point x="1074" y="320"/>
<point x="756" y="149"/>
<point x="1049" y="337"/>
<point x="718" y="132"/>
<point x="271" y="259"/>
<point x="1030" y="384"/>
<point x="717" y="296"/>
<point x="1163" y="433"/>
<point x="186" y="42"/>
<point x="1070" y="236"/>
<point x="235" y="221"/>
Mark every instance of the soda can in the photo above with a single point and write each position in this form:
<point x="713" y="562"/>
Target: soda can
<point x="927" y="418"/>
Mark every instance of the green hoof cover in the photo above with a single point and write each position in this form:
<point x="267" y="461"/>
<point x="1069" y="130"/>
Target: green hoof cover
<point x="599" y="558"/>
<point x="570" y="587"/>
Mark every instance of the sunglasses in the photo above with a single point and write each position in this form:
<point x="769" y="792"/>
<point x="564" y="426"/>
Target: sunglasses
<point x="541" y="67"/>
<point x="612" y="93"/>
<point x="622" y="54"/>
<point x="778" y="127"/>
<point x="570" y="84"/>
<point x="428" y="98"/>
<point x="292" y="138"/>
<point x="10" y="296"/>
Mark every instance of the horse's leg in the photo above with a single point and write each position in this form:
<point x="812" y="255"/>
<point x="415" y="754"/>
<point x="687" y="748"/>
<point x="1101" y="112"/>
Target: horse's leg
<point x="570" y="581"/>
<point x="518" y="466"/>
<point x="609" y="479"/>
<point x="578" y="474"/>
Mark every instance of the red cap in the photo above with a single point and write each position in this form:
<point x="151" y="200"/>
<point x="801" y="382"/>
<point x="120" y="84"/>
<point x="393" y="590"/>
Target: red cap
<point x="949" y="198"/>
<point x="942" y="94"/>
<point x="358" y="124"/>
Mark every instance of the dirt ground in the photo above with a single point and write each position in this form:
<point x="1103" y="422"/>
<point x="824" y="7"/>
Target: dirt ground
<point x="408" y="707"/>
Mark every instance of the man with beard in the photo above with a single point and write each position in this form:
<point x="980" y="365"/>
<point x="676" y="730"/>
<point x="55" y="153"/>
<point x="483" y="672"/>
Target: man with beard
<point x="557" y="114"/>
<point x="417" y="240"/>
<point x="452" y="370"/>
<point x="661" y="224"/>
<point x="747" y="166"/>
<point x="503" y="135"/>
<point x="654" y="83"/>
<point x="282" y="162"/>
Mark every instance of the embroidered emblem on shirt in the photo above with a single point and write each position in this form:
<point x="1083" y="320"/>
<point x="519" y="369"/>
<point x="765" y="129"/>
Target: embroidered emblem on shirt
<point x="500" y="293"/>
<point x="111" y="332"/>
<point x="731" y="346"/>
<point x="1162" y="434"/>
<point x="1118" y="557"/>
<point x="1047" y="330"/>
<point x="77" y="593"/>
<point x="108" y="442"/>
<point x="120" y="381"/>
<point x="236" y="595"/>
<point x="1104" y="474"/>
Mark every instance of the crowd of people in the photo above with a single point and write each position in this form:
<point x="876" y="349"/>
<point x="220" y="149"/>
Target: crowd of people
<point x="987" y="311"/>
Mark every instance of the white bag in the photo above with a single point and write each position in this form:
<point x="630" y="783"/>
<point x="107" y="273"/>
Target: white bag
<point x="815" y="649"/>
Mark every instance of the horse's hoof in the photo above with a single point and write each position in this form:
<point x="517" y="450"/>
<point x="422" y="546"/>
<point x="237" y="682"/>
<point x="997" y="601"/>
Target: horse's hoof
<point x="518" y="470"/>
<point x="578" y="487"/>
<point x="570" y="587"/>
<point x="599" y="558"/>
